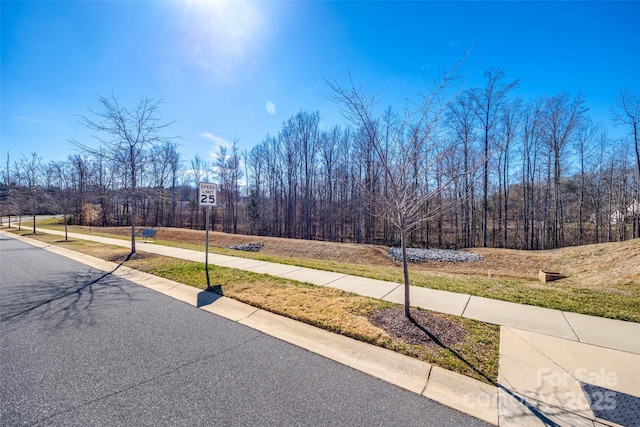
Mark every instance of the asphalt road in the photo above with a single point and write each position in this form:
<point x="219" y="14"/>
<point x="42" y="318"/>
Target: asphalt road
<point x="81" y="347"/>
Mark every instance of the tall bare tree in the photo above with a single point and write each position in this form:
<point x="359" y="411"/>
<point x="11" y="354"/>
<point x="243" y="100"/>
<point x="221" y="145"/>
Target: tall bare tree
<point x="563" y="116"/>
<point x="627" y="112"/>
<point x="488" y="102"/>
<point x="125" y="134"/>
<point x="460" y="121"/>
<point x="530" y="147"/>
<point x="30" y="171"/>
<point x="584" y="143"/>
<point x="509" y="126"/>
<point x="597" y="165"/>
<point x="62" y="172"/>
<point x="236" y="174"/>
<point x="229" y="173"/>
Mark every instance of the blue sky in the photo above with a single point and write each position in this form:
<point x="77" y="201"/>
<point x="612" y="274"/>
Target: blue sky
<point x="240" y="69"/>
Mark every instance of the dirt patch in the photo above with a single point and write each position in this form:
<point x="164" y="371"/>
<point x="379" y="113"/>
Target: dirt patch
<point x="423" y="328"/>
<point x="130" y="257"/>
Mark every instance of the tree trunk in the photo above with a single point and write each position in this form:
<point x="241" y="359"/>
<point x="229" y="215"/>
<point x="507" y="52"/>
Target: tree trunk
<point x="405" y="269"/>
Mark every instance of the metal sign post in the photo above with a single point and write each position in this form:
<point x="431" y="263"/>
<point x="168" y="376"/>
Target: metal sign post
<point x="207" y="197"/>
<point x="206" y="250"/>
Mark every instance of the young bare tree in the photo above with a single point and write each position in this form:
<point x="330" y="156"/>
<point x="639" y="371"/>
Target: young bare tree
<point x="408" y="152"/>
<point x="125" y="134"/>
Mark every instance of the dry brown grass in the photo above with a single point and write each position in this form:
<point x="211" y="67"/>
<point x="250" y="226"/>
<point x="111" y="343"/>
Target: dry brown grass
<point x="592" y="266"/>
<point x="586" y="266"/>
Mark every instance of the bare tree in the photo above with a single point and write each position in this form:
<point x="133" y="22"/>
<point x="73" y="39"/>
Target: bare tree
<point x="408" y="153"/>
<point x="79" y="169"/>
<point x="235" y="169"/>
<point x="163" y="157"/>
<point x="290" y="154"/>
<point x="597" y="165"/>
<point x="307" y="130"/>
<point x="229" y="173"/>
<point x="488" y="102"/>
<point x="509" y="124"/>
<point x="627" y="112"/>
<point x="530" y="146"/>
<point x="30" y="168"/>
<point x="275" y="171"/>
<point x="460" y="121"/>
<point x="329" y="148"/>
<point x="62" y="174"/>
<point x="563" y="117"/>
<point x="125" y="134"/>
<point x="257" y="182"/>
<point x="584" y="145"/>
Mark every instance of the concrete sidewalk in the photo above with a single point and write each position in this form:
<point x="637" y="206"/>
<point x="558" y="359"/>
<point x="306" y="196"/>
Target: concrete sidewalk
<point x="556" y="368"/>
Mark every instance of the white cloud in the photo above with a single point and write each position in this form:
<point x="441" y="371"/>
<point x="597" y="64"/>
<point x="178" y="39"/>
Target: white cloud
<point x="270" y="107"/>
<point x="34" y="120"/>
<point x="217" y="143"/>
<point x="215" y="139"/>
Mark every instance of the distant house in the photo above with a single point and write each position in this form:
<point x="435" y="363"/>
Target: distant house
<point x="634" y="208"/>
<point x="632" y="211"/>
<point x="617" y="216"/>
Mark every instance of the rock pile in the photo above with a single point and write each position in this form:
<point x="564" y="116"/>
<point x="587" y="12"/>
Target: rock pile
<point x="439" y="255"/>
<point x="249" y="247"/>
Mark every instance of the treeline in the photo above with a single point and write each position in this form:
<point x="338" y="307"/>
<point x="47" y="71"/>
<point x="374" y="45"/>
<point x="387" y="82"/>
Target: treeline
<point x="513" y="172"/>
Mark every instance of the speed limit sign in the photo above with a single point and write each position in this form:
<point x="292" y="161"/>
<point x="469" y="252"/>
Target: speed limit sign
<point x="208" y="194"/>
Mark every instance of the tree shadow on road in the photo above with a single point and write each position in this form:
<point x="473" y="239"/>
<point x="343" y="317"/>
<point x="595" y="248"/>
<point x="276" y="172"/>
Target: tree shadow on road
<point x="64" y="297"/>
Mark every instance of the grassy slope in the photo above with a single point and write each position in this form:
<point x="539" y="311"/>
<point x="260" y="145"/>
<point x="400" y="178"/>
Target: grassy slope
<point x="603" y="279"/>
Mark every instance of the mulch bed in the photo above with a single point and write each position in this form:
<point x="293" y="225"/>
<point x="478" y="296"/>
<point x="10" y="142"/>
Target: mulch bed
<point x="129" y="257"/>
<point x="424" y="328"/>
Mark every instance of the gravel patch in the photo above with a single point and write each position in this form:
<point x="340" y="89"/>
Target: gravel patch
<point x="439" y="255"/>
<point x="249" y="247"/>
